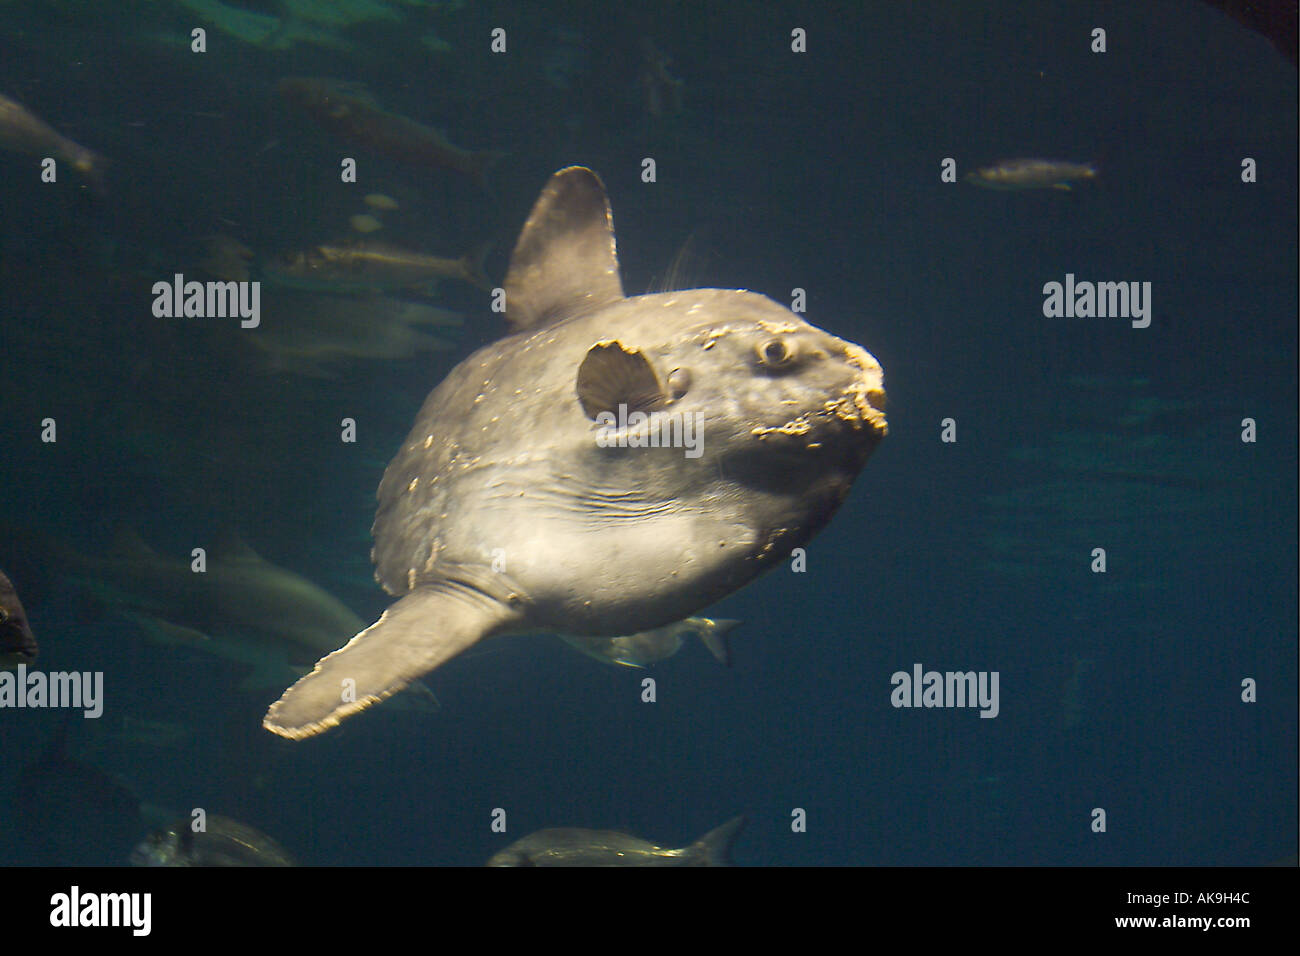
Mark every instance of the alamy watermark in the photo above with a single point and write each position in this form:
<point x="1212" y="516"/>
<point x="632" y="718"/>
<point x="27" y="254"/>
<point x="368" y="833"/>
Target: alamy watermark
<point x="1102" y="300"/>
<point x="208" y="300"/>
<point x="652" y="430"/>
<point x="77" y="909"/>
<point x="81" y="690"/>
<point x="922" y="688"/>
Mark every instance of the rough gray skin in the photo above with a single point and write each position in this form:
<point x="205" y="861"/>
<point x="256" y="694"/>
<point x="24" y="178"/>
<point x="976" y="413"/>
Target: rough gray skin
<point x="571" y="846"/>
<point x="501" y="514"/>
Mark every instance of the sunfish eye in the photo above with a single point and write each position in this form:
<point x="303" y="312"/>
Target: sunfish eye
<point x="775" y="353"/>
<point x="679" y="382"/>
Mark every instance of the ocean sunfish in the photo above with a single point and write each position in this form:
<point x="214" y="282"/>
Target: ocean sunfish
<point x="611" y="466"/>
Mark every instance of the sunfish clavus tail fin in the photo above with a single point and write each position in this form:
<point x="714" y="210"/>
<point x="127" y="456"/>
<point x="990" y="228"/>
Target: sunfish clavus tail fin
<point x="425" y="628"/>
<point x="714" y="848"/>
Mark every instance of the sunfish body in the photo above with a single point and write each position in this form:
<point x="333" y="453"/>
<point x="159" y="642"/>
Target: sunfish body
<point x="659" y="644"/>
<point x="371" y="266"/>
<point x="23" y="132"/>
<point x="1012" y="174"/>
<point x="354" y="117"/>
<point x="529" y="495"/>
<point x="571" y="846"/>
<point x="17" y="642"/>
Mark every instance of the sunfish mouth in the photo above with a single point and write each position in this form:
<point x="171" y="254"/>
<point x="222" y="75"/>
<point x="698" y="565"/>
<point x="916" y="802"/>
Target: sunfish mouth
<point x="864" y="399"/>
<point x="857" y="406"/>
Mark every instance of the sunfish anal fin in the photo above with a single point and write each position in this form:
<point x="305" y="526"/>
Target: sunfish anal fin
<point x="424" y="629"/>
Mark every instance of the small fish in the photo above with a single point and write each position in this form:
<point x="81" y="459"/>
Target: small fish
<point x="661" y="92"/>
<point x="17" y="643"/>
<point x="380" y="201"/>
<point x="223" y="842"/>
<point x="365" y="223"/>
<point x="23" y="132"/>
<point x="242" y="608"/>
<point x="352" y="115"/>
<point x="1031" y="174"/>
<point x="570" y="846"/>
<point x="650" y="647"/>
<point x="368" y="265"/>
<point x="311" y="333"/>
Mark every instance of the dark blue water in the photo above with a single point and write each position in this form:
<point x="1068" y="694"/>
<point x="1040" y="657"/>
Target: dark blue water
<point x="1120" y="691"/>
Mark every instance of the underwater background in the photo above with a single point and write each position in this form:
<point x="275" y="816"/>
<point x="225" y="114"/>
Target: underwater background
<point x="775" y="170"/>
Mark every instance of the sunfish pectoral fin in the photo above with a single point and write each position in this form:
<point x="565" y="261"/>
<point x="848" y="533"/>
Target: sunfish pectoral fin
<point x="611" y="375"/>
<point x="424" y="629"/>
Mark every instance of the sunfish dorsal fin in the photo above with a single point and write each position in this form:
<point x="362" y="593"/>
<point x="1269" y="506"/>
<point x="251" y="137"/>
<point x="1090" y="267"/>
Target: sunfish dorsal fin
<point x="564" y="263"/>
<point x="612" y="375"/>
